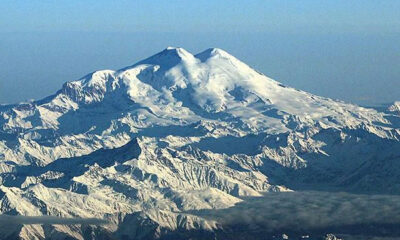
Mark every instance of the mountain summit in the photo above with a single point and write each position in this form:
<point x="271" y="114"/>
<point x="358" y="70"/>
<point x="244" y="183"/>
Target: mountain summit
<point x="143" y="145"/>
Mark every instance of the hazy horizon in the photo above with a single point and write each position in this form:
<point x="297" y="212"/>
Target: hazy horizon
<point x="323" y="48"/>
<point x="348" y="67"/>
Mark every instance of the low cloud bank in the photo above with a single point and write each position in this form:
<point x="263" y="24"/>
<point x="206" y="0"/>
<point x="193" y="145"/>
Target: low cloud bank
<point x="312" y="212"/>
<point x="17" y="219"/>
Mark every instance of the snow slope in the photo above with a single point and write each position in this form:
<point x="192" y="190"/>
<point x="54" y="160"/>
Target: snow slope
<point x="177" y="132"/>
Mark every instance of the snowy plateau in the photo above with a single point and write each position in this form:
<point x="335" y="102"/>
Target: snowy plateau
<point x="144" y="146"/>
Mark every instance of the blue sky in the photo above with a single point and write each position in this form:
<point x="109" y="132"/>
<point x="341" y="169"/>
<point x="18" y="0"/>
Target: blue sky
<point x="201" y="15"/>
<point x="340" y="49"/>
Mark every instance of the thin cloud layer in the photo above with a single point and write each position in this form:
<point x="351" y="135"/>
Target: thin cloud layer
<point x="10" y="219"/>
<point x="313" y="212"/>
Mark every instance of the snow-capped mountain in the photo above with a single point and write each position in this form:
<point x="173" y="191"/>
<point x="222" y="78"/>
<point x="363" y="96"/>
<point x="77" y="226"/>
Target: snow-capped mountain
<point x="395" y="107"/>
<point x="177" y="132"/>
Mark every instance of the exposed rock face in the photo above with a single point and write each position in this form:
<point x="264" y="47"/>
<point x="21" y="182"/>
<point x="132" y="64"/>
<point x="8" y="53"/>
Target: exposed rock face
<point x="179" y="132"/>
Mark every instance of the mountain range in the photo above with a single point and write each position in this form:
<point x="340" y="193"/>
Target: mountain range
<point x="142" y="146"/>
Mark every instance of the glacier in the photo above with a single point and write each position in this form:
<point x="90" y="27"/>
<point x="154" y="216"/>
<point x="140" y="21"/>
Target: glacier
<point x="177" y="132"/>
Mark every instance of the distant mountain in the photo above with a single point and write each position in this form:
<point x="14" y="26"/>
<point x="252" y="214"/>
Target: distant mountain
<point x="395" y="107"/>
<point x="177" y="132"/>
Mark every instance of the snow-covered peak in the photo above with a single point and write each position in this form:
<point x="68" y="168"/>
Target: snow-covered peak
<point x="212" y="80"/>
<point x="175" y="51"/>
<point x="218" y="59"/>
<point x="213" y="53"/>
<point x="169" y="57"/>
<point x="395" y="107"/>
